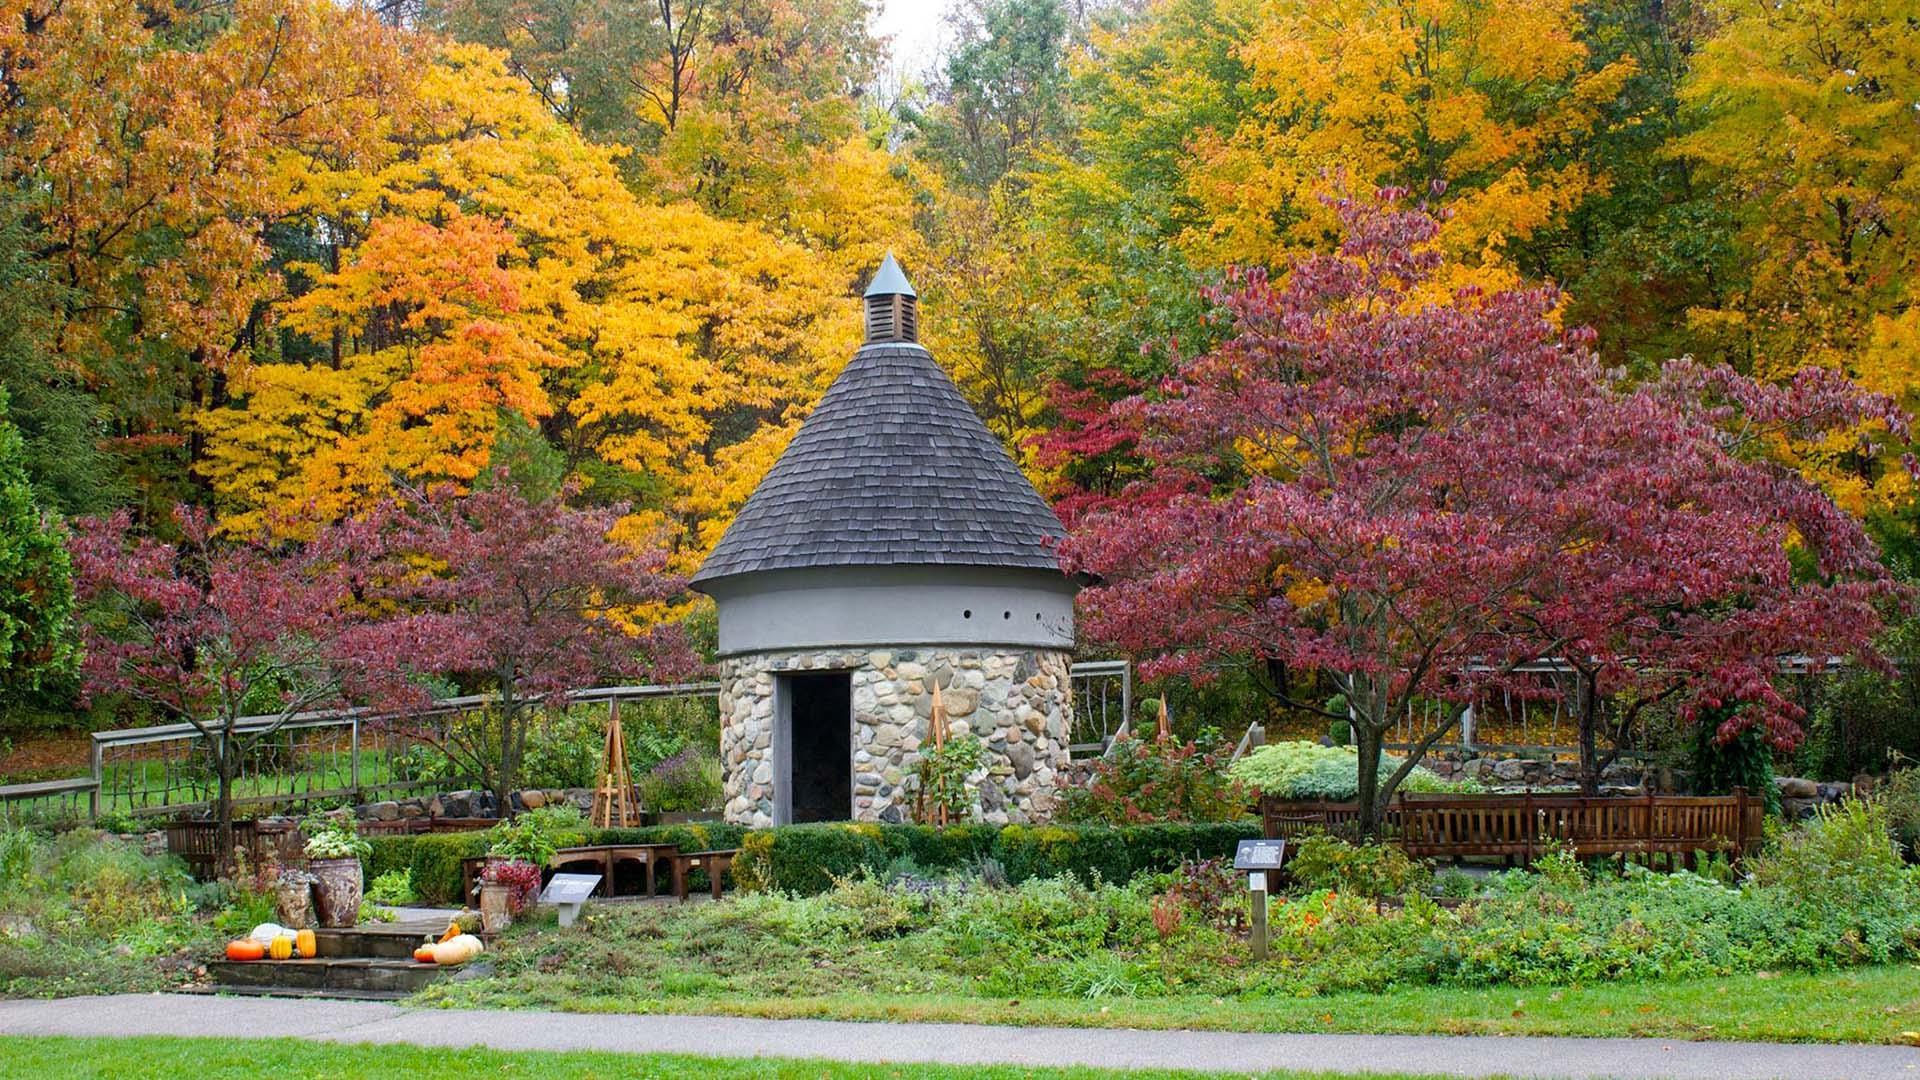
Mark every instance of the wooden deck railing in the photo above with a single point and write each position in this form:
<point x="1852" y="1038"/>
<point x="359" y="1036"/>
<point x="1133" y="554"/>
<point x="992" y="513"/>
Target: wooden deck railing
<point x="1522" y="826"/>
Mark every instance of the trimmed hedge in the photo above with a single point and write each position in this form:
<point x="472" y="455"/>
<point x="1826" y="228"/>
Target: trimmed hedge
<point x="434" y="858"/>
<point x="805" y="859"/>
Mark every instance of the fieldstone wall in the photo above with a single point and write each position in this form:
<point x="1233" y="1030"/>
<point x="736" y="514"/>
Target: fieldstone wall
<point x="1018" y="702"/>
<point x="1535" y="774"/>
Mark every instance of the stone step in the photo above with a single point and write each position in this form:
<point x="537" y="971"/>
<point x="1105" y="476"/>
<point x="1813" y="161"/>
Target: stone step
<point x="341" y="976"/>
<point x="379" y="942"/>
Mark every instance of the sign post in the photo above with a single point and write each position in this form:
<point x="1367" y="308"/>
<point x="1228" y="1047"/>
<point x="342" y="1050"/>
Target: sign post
<point x="1259" y="858"/>
<point x="569" y="893"/>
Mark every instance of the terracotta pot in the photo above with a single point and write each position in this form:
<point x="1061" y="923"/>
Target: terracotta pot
<point x="337" y="892"/>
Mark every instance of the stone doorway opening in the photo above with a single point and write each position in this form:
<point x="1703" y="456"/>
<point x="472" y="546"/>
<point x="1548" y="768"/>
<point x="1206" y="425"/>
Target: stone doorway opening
<point x="816" y="770"/>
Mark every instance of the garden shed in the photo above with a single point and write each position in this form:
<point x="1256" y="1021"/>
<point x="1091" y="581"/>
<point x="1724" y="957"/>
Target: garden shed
<point x="895" y="547"/>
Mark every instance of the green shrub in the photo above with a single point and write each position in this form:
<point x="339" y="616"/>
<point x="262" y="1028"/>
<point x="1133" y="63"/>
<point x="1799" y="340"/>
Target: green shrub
<point x="333" y="836"/>
<point x="19" y="851"/>
<point x="1140" y="781"/>
<point x="807" y="859"/>
<point x="535" y="835"/>
<point x="1305" y="770"/>
<point x="1899" y="794"/>
<point x="1843" y="894"/>
<point x="943" y="772"/>
<point x="1327" y="862"/>
<point x="687" y="782"/>
<point x="392" y="887"/>
<point x="1745" y="761"/>
<point x="432" y="861"/>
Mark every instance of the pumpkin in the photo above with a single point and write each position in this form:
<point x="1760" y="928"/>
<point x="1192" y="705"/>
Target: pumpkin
<point x="266" y="932"/>
<point x="306" y="944"/>
<point x="280" y="948"/>
<point x="453" y="931"/>
<point x="245" y="949"/>
<point x="458" y="951"/>
<point x="423" y="954"/>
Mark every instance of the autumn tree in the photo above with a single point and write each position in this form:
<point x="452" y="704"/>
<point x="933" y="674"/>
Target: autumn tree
<point x="157" y="153"/>
<point x="508" y="278"/>
<point x="1806" y="126"/>
<point x="723" y="101"/>
<point x="1707" y="565"/>
<point x="521" y="598"/>
<point x="207" y="630"/>
<point x="1001" y="98"/>
<point x="1417" y="498"/>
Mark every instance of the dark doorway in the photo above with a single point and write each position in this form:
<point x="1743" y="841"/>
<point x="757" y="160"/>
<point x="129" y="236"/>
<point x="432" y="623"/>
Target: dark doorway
<point x="819" y="770"/>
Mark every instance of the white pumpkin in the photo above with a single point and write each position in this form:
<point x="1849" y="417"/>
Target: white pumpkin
<point x="457" y="951"/>
<point x="266" y="932"/>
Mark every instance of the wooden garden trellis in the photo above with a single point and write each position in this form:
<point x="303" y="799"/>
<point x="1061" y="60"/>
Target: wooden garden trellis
<point x="614" y="800"/>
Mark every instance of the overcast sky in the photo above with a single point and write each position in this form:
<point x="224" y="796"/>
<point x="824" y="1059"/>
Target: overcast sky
<point x="916" y="27"/>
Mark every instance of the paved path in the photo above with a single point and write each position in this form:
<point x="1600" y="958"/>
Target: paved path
<point x="960" y="1044"/>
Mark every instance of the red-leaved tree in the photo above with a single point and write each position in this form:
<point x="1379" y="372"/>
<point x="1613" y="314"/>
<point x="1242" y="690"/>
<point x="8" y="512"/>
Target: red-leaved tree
<point x="524" y="599"/>
<point x="208" y="631"/>
<point x="1417" y="493"/>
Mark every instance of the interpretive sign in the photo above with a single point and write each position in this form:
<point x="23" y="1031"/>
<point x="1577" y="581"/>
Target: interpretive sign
<point x="569" y="893"/>
<point x="1259" y="854"/>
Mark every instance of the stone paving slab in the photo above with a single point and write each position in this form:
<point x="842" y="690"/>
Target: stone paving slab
<point x="958" y="1044"/>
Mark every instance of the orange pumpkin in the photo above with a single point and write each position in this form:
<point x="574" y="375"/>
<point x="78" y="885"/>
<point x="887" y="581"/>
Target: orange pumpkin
<point x="307" y="946"/>
<point x="245" y="949"/>
<point x="281" y="948"/>
<point x="423" y="955"/>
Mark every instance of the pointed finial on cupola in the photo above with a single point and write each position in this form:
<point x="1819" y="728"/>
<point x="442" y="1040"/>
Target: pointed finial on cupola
<point x="892" y="305"/>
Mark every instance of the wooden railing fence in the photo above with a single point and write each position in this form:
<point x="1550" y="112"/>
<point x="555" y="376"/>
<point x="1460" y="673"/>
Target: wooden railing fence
<point x="1523" y="827"/>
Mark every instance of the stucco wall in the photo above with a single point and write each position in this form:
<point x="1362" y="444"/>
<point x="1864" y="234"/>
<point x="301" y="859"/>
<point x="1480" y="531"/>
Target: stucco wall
<point x="874" y="606"/>
<point x="1018" y="701"/>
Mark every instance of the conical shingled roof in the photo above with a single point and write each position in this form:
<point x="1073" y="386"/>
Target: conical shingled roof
<point x="893" y="468"/>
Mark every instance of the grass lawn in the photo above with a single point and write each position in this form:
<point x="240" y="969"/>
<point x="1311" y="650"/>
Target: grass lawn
<point x="217" y="1059"/>
<point x="1865" y="1005"/>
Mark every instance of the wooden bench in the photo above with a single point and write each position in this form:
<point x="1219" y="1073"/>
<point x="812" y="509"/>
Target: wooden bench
<point x="715" y="863"/>
<point x="609" y="856"/>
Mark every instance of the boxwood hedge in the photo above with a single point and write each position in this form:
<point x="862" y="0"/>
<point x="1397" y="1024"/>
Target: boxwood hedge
<point x="804" y="859"/>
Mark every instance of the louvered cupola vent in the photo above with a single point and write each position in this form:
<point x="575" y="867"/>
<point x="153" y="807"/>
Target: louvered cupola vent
<point x="892" y="304"/>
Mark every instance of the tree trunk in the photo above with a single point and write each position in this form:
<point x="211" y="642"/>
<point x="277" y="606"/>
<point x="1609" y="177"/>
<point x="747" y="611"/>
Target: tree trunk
<point x="1368" y="740"/>
<point x="1588" y="704"/>
<point x="223" y="767"/>
<point x="509" y="764"/>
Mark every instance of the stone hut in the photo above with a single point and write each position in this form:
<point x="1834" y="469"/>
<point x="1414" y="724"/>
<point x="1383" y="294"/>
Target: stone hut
<point x="894" y="547"/>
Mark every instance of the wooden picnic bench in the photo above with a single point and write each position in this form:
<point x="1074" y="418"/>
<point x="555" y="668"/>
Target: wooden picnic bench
<point x="715" y="863"/>
<point x="609" y="856"/>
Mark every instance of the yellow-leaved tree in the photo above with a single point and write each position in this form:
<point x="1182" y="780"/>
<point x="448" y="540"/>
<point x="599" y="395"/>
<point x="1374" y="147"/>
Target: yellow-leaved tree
<point x="1808" y="122"/>
<point x="1496" y="102"/>
<point x="494" y="265"/>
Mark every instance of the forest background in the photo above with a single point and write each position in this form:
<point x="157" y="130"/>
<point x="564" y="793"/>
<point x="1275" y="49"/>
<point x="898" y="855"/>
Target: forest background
<point x="271" y="257"/>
